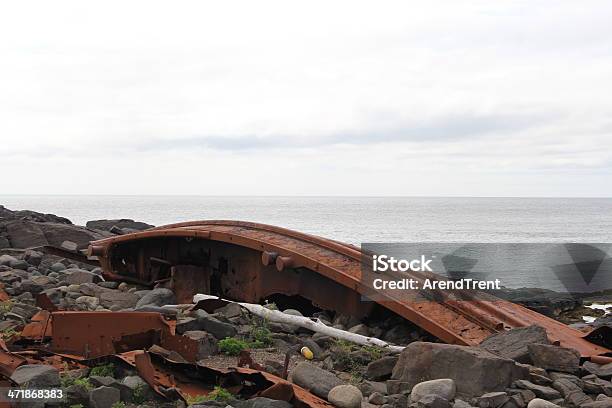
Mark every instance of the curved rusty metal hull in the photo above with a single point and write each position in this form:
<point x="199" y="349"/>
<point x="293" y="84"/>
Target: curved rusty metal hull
<point x="249" y="262"/>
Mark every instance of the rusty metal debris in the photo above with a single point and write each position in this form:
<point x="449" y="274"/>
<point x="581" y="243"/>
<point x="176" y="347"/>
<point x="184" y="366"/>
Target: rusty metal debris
<point x="145" y="341"/>
<point x="250" y="262"/>
<point x="170" y="378"/>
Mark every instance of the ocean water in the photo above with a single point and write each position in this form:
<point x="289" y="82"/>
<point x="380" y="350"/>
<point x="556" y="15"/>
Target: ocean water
<point x="359" y="219"/>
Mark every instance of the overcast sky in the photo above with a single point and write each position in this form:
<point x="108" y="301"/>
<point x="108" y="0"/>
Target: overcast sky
<point x="492" y="98"/>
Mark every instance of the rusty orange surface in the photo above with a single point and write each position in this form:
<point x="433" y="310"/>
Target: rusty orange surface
<point x="39" y="327"/>
<point x="261" y="260"/>
<point x="98" y="334"/>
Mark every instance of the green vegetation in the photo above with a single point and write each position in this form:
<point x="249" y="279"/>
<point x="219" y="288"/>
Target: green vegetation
<point x="118" y="404"/>
<point x="84" y="382"/>
<point x="139" y="394"/>
<point x="345" y="346"/>
<point x="68" y="380"/>
<point x="104" y="370"/>
<point x="195" y="399"/>
<point x="261" y="336"/>
<point x="353" y="358"/>
<point x="77" y="406"/>
<point x="5" y="307"/>
<point x="8" y="333"/>
<point x="218" y="394"/>
<point x="374" y="352"/>
<point x="232" y="346"/>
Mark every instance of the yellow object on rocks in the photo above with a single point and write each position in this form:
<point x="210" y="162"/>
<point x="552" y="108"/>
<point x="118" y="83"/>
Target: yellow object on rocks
<point x="307" y="353"/>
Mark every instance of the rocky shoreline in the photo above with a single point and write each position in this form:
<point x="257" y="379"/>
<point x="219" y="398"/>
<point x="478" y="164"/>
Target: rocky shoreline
<point x="515" y="369"/>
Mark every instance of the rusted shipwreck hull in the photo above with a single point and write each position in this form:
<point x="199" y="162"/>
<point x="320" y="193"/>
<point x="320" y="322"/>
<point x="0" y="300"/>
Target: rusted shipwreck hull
<point x="250" y="262"/>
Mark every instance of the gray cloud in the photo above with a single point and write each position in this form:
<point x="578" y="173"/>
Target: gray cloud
<point x="390" y="129"/>
<point x="499" y="98"/>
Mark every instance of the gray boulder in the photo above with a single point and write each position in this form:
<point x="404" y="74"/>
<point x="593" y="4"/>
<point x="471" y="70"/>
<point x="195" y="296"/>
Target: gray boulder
<point x="79" y="276"/>
<point x="77" y="394"/>
<point x="599" y="403"/>
<point x="261" y="402"/>
<point x="475" y="371"/>
<point x="540" y="403"/>
<point x="88" y="302"/>
<point x="34" y="257"/>
<point x="444" y="387"/>
<point x="104" y="397"/>
<point x="57" y="267"/>
<point x="121" y="300"/>
<point x="19" y="264"/>
<point x="540" y="391"/>
<point x="345" y="396"/>
<point x="217" y="328"/>
<point x="107" y="225"/>
<point x="318" y="381"/>
<point x="602" y="371"/>
<point x="138" y="386"/>
<point x="565" y="386"/>
<point x="595" y="385"/>
<point x="555" y="358"/>
<point x="6" y="260"/>
<point x="28" y="234"/>
<point x="492" y="399"/>
<point x="369" y="387"/>
<point x="157" y="297"/>
<point x="36" y="376"/>
<point x="432" y="401"/>
<point x="513" y="343"/>
<point x="381" y="368"/>
<point x="207" y="344"/>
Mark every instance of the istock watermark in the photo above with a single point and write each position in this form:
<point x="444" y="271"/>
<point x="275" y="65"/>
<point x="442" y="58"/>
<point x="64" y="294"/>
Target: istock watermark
<point x="477" y="271"/>
<point x="383" y="263"/>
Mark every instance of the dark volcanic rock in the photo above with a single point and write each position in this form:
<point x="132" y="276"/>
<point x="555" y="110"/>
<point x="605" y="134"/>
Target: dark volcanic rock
<point x="78" y="276"/>
<point x="28" y="234"/>
<point x="381" y="368"/>
<point x="540" y="391"/>
<point x="104" y="397"/>
<point x="157" y="297"/>
<point x="554" y="358"/>
<point x="107" y="225"/>
<point x="261" y="402"/>
<point x="121" y="300"/>
<point x="320" y="382"/>
<point x="6" y="214"/>
<point x="36" y="376"/>
<point x="602" y="371"/>
<point x="474" y="370"/>
<point x="513" y="343"/>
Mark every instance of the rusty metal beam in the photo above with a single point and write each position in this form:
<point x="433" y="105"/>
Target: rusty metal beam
<point x="99" y="334"/>
<point x="257" y="260"/>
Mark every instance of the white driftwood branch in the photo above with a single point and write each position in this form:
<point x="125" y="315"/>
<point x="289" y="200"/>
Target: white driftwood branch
<point x="307" y="323"/>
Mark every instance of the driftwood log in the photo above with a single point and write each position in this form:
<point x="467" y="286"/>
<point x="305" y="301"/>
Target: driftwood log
<point x="314" y="325"/>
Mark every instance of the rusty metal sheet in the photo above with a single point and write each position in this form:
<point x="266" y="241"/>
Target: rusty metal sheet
<point x="39" y="327"/>
<point x="9" y="361"/>
<point x="260" y="260"/>
<point x="97" y="334"/>
<point x="169" y="375"/>
<point x="3" y="295"/>
<point x="303" y="398"/>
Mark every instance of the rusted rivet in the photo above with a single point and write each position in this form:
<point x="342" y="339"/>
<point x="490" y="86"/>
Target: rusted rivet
<point x="95" y="250"/>
<point x="283" y="262"/>
<point x="268" y="258"/>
